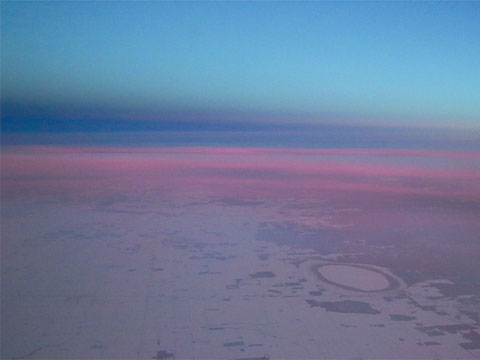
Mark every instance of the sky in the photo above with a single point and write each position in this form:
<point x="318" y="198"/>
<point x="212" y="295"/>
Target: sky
<point x="120" y="65"/>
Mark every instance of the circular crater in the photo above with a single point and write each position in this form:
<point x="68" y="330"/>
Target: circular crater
<point x="355" y="277"/>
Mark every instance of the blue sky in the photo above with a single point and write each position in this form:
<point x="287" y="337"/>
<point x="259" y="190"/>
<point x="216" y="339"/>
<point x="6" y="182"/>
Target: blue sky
<point x="381" y="63"/>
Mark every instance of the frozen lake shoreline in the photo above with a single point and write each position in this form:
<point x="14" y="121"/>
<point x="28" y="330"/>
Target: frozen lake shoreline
<point x="355" y="277"/>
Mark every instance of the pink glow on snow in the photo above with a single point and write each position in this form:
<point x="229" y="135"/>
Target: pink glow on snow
<point x="244" y="173"/>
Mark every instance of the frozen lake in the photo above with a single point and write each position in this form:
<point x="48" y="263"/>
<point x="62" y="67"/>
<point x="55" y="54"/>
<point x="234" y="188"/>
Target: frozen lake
<point x="354" y="277"/>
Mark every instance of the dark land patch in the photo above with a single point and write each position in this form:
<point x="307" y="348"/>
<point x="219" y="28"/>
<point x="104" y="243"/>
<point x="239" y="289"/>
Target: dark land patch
<point x="262" y="275"/>
<point x="233" y="343"/>
<point x="439" y="330"/>
<point x="274" y="291"/>
<point x="422" y="307"/>
<point x="433" y="332"/>
<point x="213" y="256"/>
<point x="475" y="316"/>
<point x="234" y="286"/>
<point x="398" y="317"/>
<point x="465" y="285"/>
<point x="263" y="257"/>
<point x="348" y="306"/>
<point x="164" y="355"/>
<point x="208" y="273"/>
<point x="130" y="249"/>
<point x="292" y="284"/>
<point x="313" y="303"/>
<point x="474" y="342"/>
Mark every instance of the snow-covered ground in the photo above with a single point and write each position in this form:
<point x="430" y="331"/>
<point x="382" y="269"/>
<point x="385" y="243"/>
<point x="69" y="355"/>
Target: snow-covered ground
<point x="141" y="274"/>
